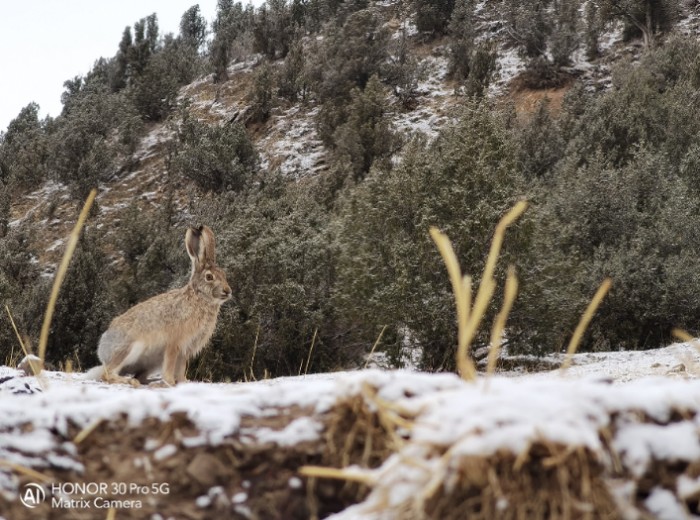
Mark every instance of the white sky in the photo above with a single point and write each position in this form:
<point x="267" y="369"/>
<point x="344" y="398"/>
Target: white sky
<point x="45" y="42"/>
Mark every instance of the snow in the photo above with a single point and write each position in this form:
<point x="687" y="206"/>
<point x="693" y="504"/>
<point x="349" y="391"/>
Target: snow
<point x="166" y="451"/>
<point x="299" y="430"/>
<point x="435" y="100"/>
<point x="664" y="506"/>
<point x="293" y="144"/>
<point x="497" y="414"/>
<point x="508" y="64"/>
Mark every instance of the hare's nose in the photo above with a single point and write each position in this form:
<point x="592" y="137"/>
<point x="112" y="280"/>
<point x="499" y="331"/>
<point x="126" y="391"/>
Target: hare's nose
<point x="227" y="291"/>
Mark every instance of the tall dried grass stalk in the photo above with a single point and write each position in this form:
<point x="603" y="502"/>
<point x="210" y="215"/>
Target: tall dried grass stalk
<point x="499" y="324"/>
<point x="19" y="338"/>
<point x="469" y="319"/>
<point x="379" y="338"/>
<point x="347" y="474"/>
<point x="61" y="273"/>
<point x="311" y="349"/>
<point x="34" y="475"/>
<point x="585" y="321"/>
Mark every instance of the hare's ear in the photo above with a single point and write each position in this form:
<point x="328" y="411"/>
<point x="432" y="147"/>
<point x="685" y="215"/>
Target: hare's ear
<point x="207" y="244"/>
<point x="200" y="244"/>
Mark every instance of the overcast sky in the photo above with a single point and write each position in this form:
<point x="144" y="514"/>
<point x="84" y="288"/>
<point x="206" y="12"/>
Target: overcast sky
<point x="45" y="42"/>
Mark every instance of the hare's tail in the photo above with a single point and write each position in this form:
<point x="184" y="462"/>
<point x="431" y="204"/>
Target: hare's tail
<point x="94" y="374"/>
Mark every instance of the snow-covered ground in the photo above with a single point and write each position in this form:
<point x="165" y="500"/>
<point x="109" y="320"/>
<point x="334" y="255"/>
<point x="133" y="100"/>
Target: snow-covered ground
<point x="646" y="402"/>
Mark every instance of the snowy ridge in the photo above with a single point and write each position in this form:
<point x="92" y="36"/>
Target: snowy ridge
<point x="650" y="422"/>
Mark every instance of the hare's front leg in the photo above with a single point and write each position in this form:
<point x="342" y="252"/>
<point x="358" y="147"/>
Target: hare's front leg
<point x="181" y="369"/>
<point x="171" y="362"/>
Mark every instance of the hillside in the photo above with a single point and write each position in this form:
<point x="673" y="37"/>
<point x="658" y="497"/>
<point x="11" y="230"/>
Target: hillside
<point x="321" y="140"/>
<point x="288" y="141"/>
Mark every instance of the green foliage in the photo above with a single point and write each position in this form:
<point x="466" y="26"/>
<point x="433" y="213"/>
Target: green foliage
<point x="593" y="30"/>
<point x="433" y="16"/>
<point x="20" y="287"/>
<point x="215" y="157"/>
<point x="231" y="22"/>
<point x="25" y="149"/>
<point x="546" y="34"/>
<point x="121" y="71"/>
<point x="618" y="203"/>
<point x="261" y="97"/>
<point x="644" y="107"/>
<point x="462" y="32"/>
<point x="345" y="62"/>
<point x="82" y="149"/>
<point x="624" y="223"/>
<point x="529" y="27"/>
<point x="349" y="56"/>
<point x="642" y="17"/>
<point x="273" y="31"/>
<point x="4" y="209"/>
<point x="277" y="249"/>
<point x="402" y="71"/>
<point x="540" y="144"/>
<point x="83" y="307"/>
<point x="154" y="92"/>
<point x="390" y="272"/>
<point x="366" y="138"/>
<point x="293" y="81"/>
<point x="193" y="28"/>
<point x="472" y="63"/>
<point x="154" y="256"/>
<point x="145" y="44"/>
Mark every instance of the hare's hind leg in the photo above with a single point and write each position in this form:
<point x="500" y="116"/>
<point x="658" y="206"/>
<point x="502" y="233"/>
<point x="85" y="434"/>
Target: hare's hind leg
<point x="115" y="351"/>
<point x="112" y="377"/>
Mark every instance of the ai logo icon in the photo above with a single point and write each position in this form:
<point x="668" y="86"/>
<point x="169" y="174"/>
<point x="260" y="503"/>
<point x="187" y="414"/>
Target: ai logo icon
<point x="32" y="495"/>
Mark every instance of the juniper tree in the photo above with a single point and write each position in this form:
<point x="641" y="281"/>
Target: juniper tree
<point x="193" y="28"/>
<point x="230" y="23"/>
<point x="645" y="17"/>
<point x="25" y="149"/>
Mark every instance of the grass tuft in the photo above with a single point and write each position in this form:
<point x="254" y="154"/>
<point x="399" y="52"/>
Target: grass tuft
<point x="468" y="317"/>
<point x="347" y="474"/>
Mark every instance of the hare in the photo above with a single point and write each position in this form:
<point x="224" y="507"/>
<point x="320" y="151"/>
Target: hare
<point x="161" y="334"/>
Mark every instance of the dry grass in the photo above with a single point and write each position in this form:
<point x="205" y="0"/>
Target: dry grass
<point x="585" y="321"/>
<point x="545" y="481"/>
<point x="61" y="273"/>
<point x="469" y="317"/>
<point x="36" y="367"/>
<point x="12" y="361"/>
<point x="374" y="347"/>
<point x="311" y="350"/>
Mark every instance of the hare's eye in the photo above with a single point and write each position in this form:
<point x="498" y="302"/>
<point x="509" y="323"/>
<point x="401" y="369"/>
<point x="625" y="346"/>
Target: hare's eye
<point x="209" y="277"/>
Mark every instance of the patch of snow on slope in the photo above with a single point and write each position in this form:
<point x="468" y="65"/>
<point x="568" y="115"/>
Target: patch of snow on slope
<point x="148" y="147"/>
<point x="508" y="65"/>
<point x="434" y="99"/>
<point x="293" y="145"/>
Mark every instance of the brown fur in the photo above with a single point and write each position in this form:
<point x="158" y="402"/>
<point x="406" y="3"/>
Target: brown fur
<point x="164" y="332"/>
